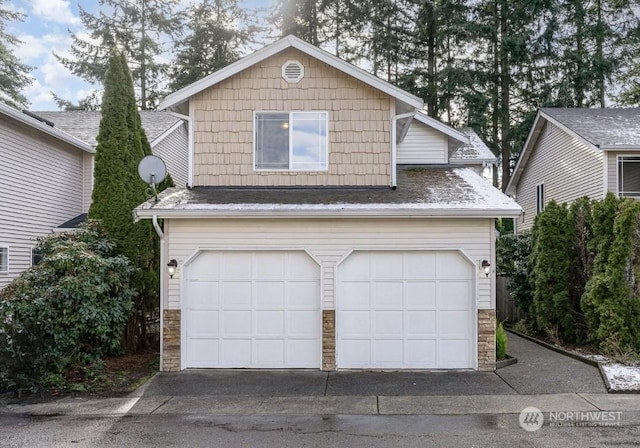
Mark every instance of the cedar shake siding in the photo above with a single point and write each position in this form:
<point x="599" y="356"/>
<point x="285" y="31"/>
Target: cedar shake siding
<point x="358" y="125"/>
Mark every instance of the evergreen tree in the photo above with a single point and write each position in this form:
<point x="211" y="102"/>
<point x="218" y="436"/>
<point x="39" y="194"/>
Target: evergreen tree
<point x="14" y="75"/>
<point x="139" y="28"/>
<point x="117" y="189"/>
<point x="297" y="17"/>
<point x="214" y="41"/>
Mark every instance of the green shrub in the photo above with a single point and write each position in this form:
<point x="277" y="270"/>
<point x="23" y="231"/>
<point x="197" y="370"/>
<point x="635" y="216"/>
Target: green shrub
<point x="66" y="312"/>
<point x="501" y="342"/>
<point x="514" y="262"/>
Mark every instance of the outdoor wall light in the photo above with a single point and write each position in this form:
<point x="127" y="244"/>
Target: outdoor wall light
<point x="171" y="267"/>
<point x="486" y="266"/>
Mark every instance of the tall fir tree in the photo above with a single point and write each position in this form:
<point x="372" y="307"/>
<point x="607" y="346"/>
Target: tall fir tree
<point x="14" y="75"/>
<point x="117" y="189"/>
<point x="142" y="28"/>
<point x="214" y="40"/>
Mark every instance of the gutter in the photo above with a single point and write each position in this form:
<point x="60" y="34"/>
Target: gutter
<point x="394" y="144"/>
<point x="160" y="233"/>
<point x="189" y="121"/>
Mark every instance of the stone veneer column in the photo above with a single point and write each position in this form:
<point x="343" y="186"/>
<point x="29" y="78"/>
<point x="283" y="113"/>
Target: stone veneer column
<point x="486" y="340"/>
<point x="171" y="341"/>
<point x="328" y="339"/>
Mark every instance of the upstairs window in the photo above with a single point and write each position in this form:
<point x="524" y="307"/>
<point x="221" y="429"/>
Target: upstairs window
<point x="629" y="176"/>
<point x="539" y="198"/>
<point x="291" y="141"/>
<point x="4" y="259"/>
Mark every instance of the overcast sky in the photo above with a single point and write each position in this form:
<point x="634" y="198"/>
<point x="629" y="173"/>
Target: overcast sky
<point x="45" y="30"/>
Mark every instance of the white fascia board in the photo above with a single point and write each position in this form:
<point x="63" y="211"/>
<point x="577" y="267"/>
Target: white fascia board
<point x="45" y="128"/>
<point x="168" y="132"/>
<point x="331" y="213"/>
<point x="471" y="161"/>
<point x="289" y="42"/>
<point x="631" y="148"/>
<point x="445" y="129"/>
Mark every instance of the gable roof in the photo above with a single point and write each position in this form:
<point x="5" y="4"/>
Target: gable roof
<point x="45" y="128"/>
<point x="421" y="191"/>
<point x="450" y="132"/>
<point x="85" y="124"/>
<point x="182" y="95"/>
<point x="600" y="129"/>
<point x="476" y="151"/>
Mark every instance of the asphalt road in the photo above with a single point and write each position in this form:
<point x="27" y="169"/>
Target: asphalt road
<point x="202" y="430"/>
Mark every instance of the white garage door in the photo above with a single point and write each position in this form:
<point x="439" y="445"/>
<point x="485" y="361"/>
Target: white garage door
<point x="252" y="309"/>
<point x="405" y="310"/>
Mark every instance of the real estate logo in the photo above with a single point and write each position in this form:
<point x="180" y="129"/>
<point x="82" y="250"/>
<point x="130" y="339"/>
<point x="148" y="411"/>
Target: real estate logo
<point x="531" y="419"/>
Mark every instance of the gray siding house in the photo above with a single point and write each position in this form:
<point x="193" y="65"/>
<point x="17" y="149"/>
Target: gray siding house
<point x="46" y="174"/>
<point x="572" y="153"/>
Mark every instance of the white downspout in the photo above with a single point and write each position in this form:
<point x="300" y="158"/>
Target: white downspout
<point x="156" y="226"/>
<point x="394" y="144"/>
<point x="189" y="121"/>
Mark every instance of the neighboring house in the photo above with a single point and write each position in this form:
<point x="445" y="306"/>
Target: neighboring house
<point x="46" y="174"/>
<point x="166" y="133"/>
<point x="572" y="153"/>
<point x="45" y="180"/>
<point x="313" y="236"/>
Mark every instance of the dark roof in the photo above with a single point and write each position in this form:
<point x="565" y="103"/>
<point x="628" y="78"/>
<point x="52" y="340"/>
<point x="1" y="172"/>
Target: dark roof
<point x="426" y="188"/>
<point x="73" y="222"/>
<point x="84" y="124"/>
<point x="601" y="126"/>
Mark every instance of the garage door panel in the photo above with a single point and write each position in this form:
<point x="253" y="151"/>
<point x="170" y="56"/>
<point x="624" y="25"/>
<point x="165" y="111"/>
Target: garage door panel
<point x="387" y="295"/>
<point x="356" y="324"/>
<point x="421" y="324"/>
<point x="453" y="295"/>
<point x="303" y="324"/>
<point x="389" y="324"/>
<point x="303" y="294"/>
<point x="420" y="265"/>
<point x="204" y="325"/>
<point x="235" y="294"/>
<point x="414" y="307"/>
<point x="236" y="324"/>
<point x="420" y="295"/>
<point x="357" y="293"/>
<point x="253" y="309"/>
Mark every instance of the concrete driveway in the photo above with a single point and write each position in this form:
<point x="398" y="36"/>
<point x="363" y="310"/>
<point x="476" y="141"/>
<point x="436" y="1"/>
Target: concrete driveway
<point x="538" y="371"/>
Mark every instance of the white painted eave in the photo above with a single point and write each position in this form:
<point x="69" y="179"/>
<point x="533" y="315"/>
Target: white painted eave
<point x="632" y="148"/>
<point x="187" y="92"/>
<point x="445" y="129"/>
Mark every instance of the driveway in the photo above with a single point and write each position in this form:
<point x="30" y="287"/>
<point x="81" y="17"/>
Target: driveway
<point x="538" y="371"/>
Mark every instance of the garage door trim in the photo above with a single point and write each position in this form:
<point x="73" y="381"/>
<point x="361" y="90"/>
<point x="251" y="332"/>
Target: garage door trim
<point x="184" y="278"/>
<point x="474" y="302"/>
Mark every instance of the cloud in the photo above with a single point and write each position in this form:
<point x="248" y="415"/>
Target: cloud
<point x="57" y="11"/>
<point x="34" y="48"/>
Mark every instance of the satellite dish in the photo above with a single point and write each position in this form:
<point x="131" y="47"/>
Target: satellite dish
<point x="152" y="170"/>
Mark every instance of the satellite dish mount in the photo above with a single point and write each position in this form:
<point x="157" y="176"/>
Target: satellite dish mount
<point x="152" y="170"/>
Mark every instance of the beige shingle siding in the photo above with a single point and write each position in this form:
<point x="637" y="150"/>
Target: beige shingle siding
<point x="422" y="145"/>
<point x="329" y="241"/>
<point x="173" y="149"/>
<point x="568" y="168"/>
<point x="41" y="180"/>
<point x="359" y="125"/>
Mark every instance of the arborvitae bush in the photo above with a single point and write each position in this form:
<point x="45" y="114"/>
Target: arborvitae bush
<point x="501" y="342"/>
<point x="612" y="297"/>
<point x="66" y="312"/>
<point x="552" y="239"/>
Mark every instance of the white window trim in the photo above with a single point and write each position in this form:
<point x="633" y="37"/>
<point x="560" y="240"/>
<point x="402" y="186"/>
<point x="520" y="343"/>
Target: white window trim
<point x="540" y="198"/>
<point x="290" y="170"/>
<point x="618" y="158"/>
<point x="4" y="246"/>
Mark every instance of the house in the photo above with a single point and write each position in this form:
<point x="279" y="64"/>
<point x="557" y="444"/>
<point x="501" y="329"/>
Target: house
<point x="311" y="236"/>
<point x="46" y="174"/>
<point x="571" y="153"/>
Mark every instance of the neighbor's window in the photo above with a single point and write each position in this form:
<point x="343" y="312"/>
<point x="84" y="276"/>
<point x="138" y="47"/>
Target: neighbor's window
<point x="295" y="141"/>
<point x="539" y="198"/>
<point x="4" y="259"/>
<point x="629" y="176"/>
<point x="36" y="256"/>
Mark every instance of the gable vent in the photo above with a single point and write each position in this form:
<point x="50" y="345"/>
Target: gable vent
<point x="292" y="71"/>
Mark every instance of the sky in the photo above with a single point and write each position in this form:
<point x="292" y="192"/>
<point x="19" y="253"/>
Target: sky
<point x="44" y="31"/>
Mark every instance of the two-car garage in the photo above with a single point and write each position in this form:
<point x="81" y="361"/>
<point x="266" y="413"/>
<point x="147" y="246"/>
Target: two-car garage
<point x="410" y="309"/>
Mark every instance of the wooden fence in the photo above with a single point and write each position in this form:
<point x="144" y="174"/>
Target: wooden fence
<point x="506" y="309"/>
